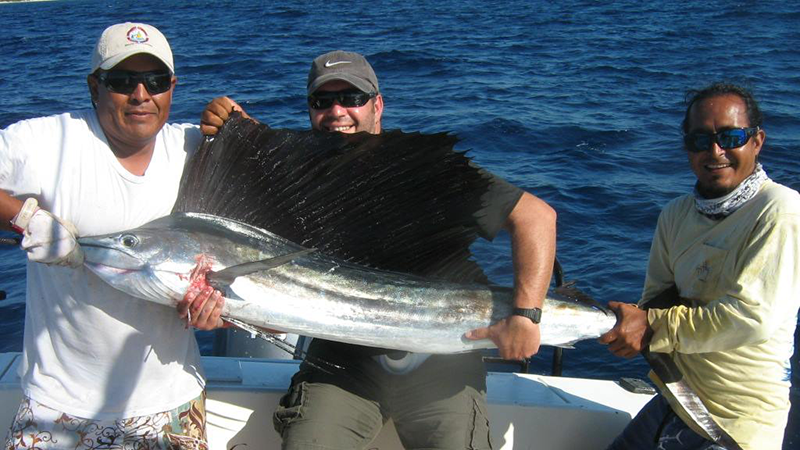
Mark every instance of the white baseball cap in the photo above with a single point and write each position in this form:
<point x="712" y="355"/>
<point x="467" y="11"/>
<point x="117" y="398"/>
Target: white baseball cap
<point x="123" y="40"/>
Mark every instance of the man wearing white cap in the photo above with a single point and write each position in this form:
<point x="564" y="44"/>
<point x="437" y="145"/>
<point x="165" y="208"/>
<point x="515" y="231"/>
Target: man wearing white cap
<point x="435" y="401"/>
<point x="100" y="368"/>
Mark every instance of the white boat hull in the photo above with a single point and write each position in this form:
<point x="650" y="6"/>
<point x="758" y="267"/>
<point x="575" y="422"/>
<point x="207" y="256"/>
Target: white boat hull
<point x="526" y="411"/>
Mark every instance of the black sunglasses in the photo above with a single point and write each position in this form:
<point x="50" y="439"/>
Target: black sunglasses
<point x="349" y="99"/>
<point x="125" y="82"/>
<point x="727" y="139"/>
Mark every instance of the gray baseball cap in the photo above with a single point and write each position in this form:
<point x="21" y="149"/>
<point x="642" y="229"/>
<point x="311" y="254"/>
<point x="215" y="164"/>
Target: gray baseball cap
<point x="346" y="66"/>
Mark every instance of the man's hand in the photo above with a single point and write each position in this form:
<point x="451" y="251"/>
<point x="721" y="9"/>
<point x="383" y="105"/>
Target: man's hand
<point x="202" y="307"/>
<point x="516" y="337"/>
<point x="46" y="238"/>
<point x="216" y="113"/>
<point x="632" y="332"/>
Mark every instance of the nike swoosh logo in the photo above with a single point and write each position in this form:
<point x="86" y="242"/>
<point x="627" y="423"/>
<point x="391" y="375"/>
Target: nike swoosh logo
<point x="331" y="64"/>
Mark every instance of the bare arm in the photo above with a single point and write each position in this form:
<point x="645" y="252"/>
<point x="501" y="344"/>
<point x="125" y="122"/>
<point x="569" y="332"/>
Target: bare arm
<point x="532" y="226"/>
<point x="9" y="207"/>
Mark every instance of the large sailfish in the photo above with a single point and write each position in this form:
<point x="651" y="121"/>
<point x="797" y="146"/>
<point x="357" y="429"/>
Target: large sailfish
<point x="361" y="239"/>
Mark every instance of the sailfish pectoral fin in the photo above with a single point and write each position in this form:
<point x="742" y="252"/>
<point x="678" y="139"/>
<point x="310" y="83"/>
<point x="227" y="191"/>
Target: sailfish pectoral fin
<point x="227" y="275"/>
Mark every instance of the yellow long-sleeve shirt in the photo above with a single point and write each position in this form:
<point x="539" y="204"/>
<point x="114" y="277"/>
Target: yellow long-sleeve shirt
<point x="734" y="341"/>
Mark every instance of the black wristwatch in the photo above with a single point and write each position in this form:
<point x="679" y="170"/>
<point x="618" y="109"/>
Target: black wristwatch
<point x="535" y="314"/>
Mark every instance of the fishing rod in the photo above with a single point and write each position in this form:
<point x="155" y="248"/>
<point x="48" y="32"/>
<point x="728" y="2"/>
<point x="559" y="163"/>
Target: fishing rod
<point x="297" y="352"/>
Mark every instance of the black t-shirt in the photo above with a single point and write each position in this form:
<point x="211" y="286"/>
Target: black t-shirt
<point x="498" y="201"/>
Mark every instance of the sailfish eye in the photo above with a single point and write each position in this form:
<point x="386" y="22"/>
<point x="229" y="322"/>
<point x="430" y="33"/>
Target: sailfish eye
<point x="129" y="240"/>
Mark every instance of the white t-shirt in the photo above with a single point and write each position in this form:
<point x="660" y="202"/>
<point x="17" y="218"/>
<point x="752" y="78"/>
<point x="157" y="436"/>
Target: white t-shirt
<point x="90" y="350"/>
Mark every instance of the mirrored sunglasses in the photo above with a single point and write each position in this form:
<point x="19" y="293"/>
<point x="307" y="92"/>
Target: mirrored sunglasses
<point x="726" y="139"/>
<point x="347" y="99"/>
<point x="125" y="82"/>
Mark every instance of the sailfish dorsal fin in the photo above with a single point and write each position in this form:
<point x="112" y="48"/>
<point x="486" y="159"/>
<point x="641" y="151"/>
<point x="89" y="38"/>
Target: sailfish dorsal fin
<point x="395" y="201"/>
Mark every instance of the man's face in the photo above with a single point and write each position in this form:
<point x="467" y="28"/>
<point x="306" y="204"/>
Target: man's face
<point x="720" y="171"/>
<point x="131" y="121"/>
<point x="347" y="120"/>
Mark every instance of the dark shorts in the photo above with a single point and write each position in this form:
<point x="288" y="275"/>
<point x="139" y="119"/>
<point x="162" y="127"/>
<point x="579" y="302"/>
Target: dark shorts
<point x="440" y="405"/>
<point x="657" y="427"/>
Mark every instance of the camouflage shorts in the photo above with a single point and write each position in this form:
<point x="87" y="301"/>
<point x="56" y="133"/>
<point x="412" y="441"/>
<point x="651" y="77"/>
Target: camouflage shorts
<point x="38" y="427"/>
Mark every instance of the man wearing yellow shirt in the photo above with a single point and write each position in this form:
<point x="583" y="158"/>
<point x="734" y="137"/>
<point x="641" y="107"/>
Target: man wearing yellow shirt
<point x="731" y="249"/>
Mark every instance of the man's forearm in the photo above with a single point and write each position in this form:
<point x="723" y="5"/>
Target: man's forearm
<point x="9" y="207"/>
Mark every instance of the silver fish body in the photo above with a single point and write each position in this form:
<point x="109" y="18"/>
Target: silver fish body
<point x="316" y="295"/>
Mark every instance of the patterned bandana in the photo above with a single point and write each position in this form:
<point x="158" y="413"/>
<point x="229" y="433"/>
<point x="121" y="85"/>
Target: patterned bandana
<point x="721" y="207"/>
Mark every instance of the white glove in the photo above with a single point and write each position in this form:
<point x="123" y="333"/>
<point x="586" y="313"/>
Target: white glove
<point x="46" y="238"/>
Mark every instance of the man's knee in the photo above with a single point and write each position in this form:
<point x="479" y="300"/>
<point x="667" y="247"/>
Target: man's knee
<point x="458" y="422"/>
<point x="323" y="416"/>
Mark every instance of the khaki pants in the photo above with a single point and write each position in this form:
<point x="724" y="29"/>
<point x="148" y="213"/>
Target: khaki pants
<point x="440" y="405"/>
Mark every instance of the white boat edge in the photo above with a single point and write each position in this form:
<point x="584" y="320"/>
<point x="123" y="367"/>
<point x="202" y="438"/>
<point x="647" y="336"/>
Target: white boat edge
<point x="525" y="410"/>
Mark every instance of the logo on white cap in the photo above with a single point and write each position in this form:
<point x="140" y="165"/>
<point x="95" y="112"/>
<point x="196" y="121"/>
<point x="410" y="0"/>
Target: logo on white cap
<point x="137" y="35"/>
<point x="123" y="40"/>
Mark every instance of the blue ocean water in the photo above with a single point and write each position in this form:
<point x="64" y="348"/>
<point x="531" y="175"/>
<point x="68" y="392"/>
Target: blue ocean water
<point x="576" y="101"/>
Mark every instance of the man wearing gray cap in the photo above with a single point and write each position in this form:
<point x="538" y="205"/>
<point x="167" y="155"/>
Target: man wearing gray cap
<point x="340" y="84"/>
<point x="100" y="368"/>
<point x="435" y="401"/>
<point x="343" y="97"/>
